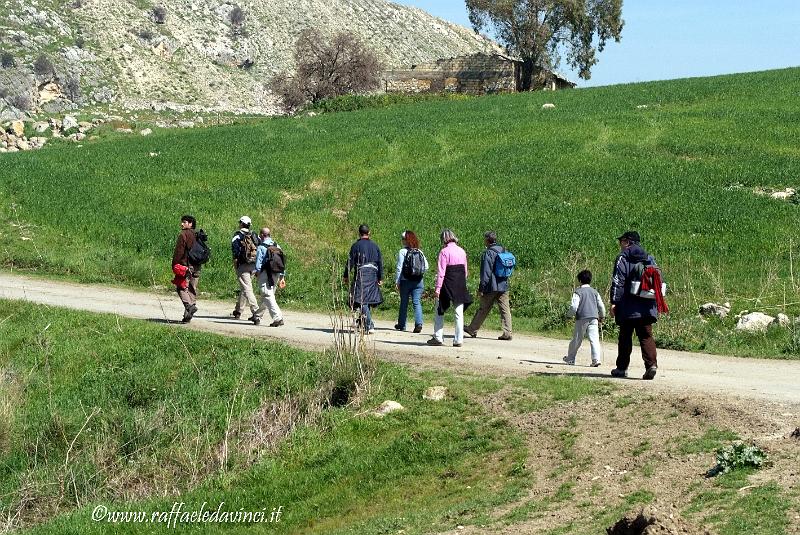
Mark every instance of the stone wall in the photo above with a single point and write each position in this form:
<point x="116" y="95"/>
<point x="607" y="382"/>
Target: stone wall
<point x="474" y="74"/>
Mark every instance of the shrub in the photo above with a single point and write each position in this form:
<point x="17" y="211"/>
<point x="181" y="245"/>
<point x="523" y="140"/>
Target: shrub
<point x="43" y="66"/>
<point x="385" y="100"/>
<point x="72" y="88"/>
<point x="80" y="41"/>
<point x="7" y="60"/>
<point x="739" y="455"/>
<point x="327" y="69"/>
<point x="22" y="102"/>
<point x="145" y="34"/>
<point x="159" y="14"/>
<point x="237" y="17"/>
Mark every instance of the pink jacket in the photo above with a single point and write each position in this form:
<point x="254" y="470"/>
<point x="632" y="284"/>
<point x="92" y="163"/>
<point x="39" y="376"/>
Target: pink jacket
<point x="450" y="255"/>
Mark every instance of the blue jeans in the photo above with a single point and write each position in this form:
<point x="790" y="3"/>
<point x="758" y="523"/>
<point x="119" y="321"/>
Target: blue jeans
<point x="411" y="289"/>
<point x="366" y="318"/>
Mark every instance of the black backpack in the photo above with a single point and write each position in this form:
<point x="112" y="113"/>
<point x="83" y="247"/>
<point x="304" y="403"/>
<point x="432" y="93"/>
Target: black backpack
<point x="413" y="265"/>
<point x="277" y="262"/>
<point x="199" y="253"/>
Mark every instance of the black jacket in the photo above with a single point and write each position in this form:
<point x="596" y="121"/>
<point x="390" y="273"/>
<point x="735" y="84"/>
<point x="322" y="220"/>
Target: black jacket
<point x="628" y="306"/>
<point x="454" y="288"/>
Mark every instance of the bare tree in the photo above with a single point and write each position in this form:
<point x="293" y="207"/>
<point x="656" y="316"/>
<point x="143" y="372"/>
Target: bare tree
<point x="327" y="68"/>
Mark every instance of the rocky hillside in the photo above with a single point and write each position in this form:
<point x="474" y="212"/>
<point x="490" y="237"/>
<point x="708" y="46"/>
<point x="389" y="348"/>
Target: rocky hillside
<point x="193" y="55"/>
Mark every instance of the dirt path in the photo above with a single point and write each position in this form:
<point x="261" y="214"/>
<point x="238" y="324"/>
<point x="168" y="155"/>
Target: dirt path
<point x="679" y="372"/>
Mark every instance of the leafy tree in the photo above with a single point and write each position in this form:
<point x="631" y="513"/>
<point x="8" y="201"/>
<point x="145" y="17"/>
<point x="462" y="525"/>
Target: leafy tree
<point x="539" y="31"/>
<point x="327" y="68"/>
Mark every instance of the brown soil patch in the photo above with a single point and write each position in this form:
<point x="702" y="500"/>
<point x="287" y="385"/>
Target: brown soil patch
<point x="649" y="521"/>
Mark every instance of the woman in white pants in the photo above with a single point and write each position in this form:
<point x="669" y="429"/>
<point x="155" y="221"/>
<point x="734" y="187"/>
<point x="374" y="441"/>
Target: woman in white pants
<point x="451" y="288"/>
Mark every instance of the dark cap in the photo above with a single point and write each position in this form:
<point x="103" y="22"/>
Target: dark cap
<point x="631" y="235"/>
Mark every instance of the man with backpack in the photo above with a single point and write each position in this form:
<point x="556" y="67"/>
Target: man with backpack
<point x="637" y="298"/>
<point x="244" y="247"/>
<point x="187" y="258"/>
<point x="365" y="264"/>
<point x="270" y="266"/>
<point x="497" y="265"/>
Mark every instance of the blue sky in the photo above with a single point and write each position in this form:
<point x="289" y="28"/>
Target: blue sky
<point x="664" y="39"/>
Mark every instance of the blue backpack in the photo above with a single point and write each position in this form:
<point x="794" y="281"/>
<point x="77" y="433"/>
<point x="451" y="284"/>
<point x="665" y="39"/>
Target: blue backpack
<point x="504" y="264"/>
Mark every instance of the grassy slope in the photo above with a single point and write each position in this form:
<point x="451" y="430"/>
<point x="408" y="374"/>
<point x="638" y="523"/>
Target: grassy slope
<point x="99" y="410"/>
<point x="557" y="185"/>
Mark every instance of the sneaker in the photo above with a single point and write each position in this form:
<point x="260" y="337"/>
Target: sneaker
<point x="616" y="372"/>
<point x="256" y="320"/>
<point x="398" y="327"/>
<point x="456" y="344"/>
<point x="650" y="373"/>
<point x="371" y="331"/>
<point x="568" y="361"/>
<point x="502" y="336"/>
<point x="595" y="364"/>
<point x="434" y="342"/>
<point x="472" y="333"/>
<point x="276" y="323"/>
<point x="236" y="315"/>
<point x="418" y="328"/>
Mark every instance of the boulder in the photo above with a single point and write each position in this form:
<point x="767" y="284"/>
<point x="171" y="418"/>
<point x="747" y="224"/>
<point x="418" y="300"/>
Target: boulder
<point x="387" y="407"/>
<point x="41" y="127"/>
<point x="37" y="142"/>
<point x="124" y="130"/>
<point x="435" y="393"/>
<point x="49" y="92"/>
<point x="784" y="195"/>
<point x="713" y="309"/>
<point x="548" y="106"/>
<point x="146" y="132"/>
<point x="783" y="320"/>
<point x="18" y="127"/>
<point x="754" y="322"/>
<point x="22" y="144"/>
<point x="69" y="123"/>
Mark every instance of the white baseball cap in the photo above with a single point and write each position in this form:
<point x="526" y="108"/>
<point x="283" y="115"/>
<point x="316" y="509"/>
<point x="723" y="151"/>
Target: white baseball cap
<point x="246" y="220"/>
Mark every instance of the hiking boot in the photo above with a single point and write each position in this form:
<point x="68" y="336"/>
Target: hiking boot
<point x="255" y="319"/>
<point x="434" y="342"/>
<point x="418" y="328"/>
<point x="503" y="336"/>
<point x="398" y="327"/>
<point x="567" y="360"/>
<point x="595" y="364"/>
<point x="650" y="373"/>
<point x="236" y="315"/>
<point x="276" y="323"/>
<point x="186" y="317"/>
<point x="616" y="372"/>
<point x="192" y="310"/>
<point x="471" y="332"/>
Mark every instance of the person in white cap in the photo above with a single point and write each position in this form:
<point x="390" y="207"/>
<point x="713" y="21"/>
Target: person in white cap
<point x="244" y="246"/>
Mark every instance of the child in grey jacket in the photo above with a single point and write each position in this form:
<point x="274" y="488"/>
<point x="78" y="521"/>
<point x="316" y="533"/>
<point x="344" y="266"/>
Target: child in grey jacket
<point x="588" y="310"/>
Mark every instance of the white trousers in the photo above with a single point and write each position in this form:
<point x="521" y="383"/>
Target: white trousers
<point x="438" y="324"/>
<point x="268" y="301"/>
<point x="590" y="327"/>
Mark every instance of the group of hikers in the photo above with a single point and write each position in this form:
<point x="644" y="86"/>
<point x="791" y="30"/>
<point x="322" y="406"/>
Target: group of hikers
<point x="636" y="296"/>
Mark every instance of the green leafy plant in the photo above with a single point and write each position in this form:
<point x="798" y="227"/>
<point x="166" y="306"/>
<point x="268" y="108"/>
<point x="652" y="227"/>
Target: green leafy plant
<point x="738" y="455"/>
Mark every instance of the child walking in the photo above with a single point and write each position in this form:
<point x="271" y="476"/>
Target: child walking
<point x="588" y="310"/>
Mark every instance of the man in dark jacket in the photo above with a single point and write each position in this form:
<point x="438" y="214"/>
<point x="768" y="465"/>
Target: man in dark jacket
<point x="491" y="290"/>
<point x="186" y="285"/>
<point x="365" y="263"/>
<point x="631" y="312"/>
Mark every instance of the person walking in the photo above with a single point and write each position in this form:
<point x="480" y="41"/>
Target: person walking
<point x="588" y="310"/>
<point x="187" y="275"/>
<point x="492" y="289"/>
<point x="451" y="288"/>
<point x="244" y="246"/>
<point x="632" y="312"/>
<point x="269" y="268"/>
<point x="365" y="264"/>
<point x="408" y="279"/>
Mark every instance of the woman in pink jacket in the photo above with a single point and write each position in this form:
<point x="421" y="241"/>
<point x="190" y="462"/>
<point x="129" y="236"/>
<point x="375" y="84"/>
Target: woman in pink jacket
<point x="451" y="288"/>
